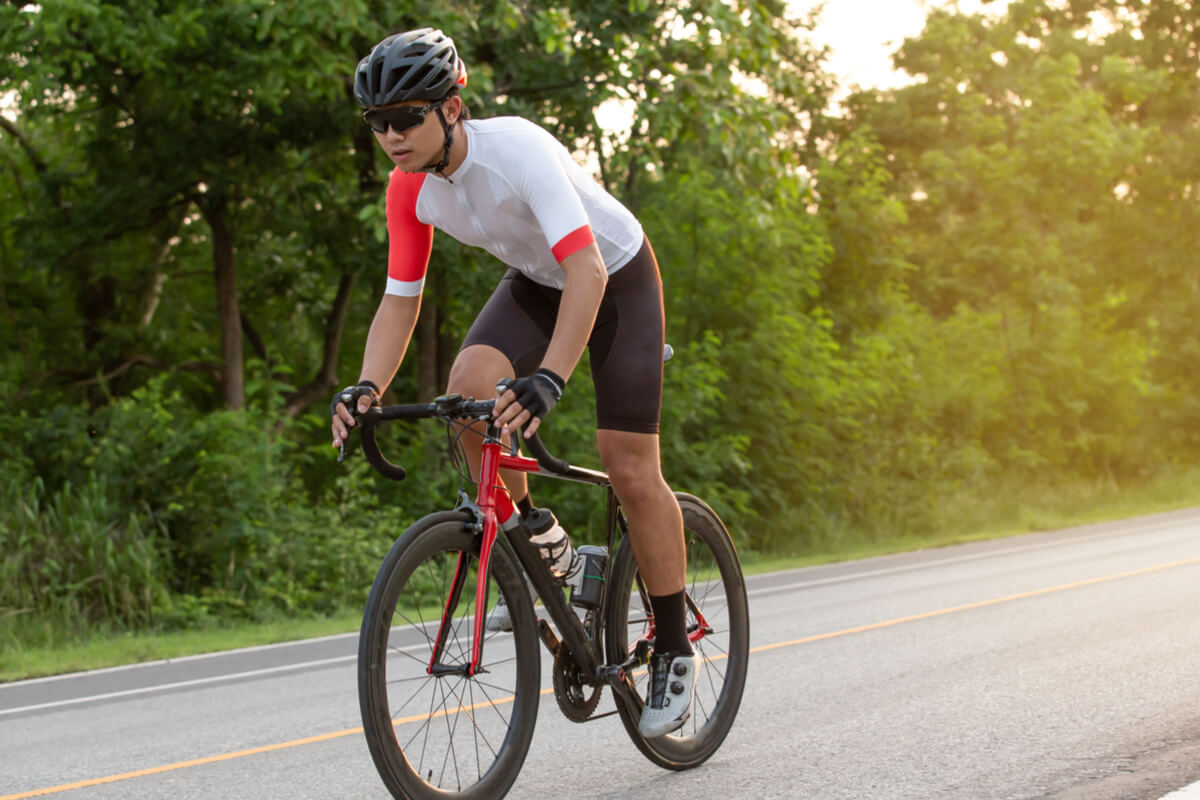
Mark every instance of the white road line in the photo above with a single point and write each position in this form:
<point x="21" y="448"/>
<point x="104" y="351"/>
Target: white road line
<point x="200" y="681"/>
<point x="1186" y="793"/>
<point x="179" y="660"/>
<point x="765" y="590"/>
<point x="1195" y="789"/>
<point x="178" y="685"/>
<point x="768" y="590"/>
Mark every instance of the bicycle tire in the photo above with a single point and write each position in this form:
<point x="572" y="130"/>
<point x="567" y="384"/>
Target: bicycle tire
<point x="712" y="563"/>
<point x="400" y="623"/>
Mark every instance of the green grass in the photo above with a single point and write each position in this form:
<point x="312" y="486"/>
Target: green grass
<point x="62" y="653"/>
<point x="1005" y="510"/>
<point x="29" y="650"/>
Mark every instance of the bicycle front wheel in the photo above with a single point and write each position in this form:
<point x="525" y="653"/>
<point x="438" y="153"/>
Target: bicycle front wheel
<point x="716" y="594"/>
<point x="433" y="730"/>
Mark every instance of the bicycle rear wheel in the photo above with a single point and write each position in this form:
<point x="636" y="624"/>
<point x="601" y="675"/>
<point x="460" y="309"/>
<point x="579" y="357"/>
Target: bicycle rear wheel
<point x="717" y="590"/>
<point x="445" y="735"/>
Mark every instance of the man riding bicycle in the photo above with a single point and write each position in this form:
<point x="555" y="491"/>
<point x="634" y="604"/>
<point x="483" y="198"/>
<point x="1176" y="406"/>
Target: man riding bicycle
<point x="581" y="274"/>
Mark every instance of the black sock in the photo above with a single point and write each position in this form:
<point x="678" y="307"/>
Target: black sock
<point x="525" y="505"/>
<point x="670" y="624"/>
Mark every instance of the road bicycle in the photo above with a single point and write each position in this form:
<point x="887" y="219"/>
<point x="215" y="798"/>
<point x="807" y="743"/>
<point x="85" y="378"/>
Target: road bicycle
<point x="448" y="707"/>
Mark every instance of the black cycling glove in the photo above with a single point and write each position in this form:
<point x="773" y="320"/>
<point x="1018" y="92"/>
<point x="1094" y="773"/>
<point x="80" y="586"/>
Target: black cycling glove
<point x="349" y="397"/>
<point x="538" y="393"/>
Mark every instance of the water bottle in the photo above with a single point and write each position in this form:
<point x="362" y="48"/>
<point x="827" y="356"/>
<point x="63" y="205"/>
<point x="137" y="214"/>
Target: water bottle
<point x="552" y="542"/>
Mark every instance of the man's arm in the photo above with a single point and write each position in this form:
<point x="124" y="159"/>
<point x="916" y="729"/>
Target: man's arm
<point x="387" y="341"/>
<point x="584" y="289"/>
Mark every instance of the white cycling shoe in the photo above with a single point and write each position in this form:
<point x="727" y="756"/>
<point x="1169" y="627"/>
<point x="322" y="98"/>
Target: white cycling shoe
<point x="672" y="691"/>
<point x="499" y="618"/>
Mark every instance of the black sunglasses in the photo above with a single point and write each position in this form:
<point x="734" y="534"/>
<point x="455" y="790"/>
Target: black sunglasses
<point x="400" y="118"/>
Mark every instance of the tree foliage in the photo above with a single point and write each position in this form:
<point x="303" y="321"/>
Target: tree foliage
<point x="1040" y="157"/>
<point x="984" y="274"/>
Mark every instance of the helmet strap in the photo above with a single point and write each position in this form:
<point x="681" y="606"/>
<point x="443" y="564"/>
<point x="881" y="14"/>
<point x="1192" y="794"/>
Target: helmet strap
<point x="440" y="167"/>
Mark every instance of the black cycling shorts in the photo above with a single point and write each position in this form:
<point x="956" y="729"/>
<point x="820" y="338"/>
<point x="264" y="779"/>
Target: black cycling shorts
<point x="625" y="349"/>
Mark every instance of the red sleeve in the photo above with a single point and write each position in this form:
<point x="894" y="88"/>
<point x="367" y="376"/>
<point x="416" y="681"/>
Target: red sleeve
<point x="410" y="241"/>
<point x="573" y="242"/>
<point x="541" y="179"/>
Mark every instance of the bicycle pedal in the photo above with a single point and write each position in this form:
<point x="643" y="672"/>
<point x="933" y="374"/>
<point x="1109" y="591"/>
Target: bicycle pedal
<point x="622" y="686"/>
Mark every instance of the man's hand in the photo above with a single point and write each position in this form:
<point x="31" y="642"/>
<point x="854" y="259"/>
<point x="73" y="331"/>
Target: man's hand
<point x="527" y="401"/>
<point x="360" y="398"/>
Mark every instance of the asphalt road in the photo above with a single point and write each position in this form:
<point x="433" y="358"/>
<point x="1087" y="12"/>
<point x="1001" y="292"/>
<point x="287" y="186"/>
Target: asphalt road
<point x="1063" y="664"/>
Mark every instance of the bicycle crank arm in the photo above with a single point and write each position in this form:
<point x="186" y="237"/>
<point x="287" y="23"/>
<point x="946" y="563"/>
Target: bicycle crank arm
<point x="548" y="638"/>
<point x="621" y="682"/>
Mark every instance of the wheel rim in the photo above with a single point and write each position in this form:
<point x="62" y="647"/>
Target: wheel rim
<point x="705" y="588"/>
<point x="451" y="730"/>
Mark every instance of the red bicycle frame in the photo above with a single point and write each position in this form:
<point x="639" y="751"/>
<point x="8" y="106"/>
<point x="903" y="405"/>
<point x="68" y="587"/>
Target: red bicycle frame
<point x="490" y="499"/>
<point x="490" y="492"/>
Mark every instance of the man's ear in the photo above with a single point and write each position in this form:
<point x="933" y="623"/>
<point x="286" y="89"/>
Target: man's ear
<point x="452" y="108"/>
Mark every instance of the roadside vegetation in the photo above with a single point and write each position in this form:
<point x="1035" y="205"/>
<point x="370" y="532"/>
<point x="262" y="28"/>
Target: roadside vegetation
<point x="962" y="307"/>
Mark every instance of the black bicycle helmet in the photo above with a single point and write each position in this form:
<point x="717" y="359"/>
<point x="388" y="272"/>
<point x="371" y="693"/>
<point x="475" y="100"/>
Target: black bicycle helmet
<point x="414" y="65"/>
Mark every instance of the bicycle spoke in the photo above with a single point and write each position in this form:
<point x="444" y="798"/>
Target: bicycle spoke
<point x="703" y="710"/>
<point x="708" y="642"/>
<point x="463" y="731"/>
<point x="449" y="744"/>
<point x="494" y="686"/>
<point x="709" y="665"/>
<point x="715" y="614"/>
<point x="495" y="707"/>
<point x="395" y="681"/>
<point x="475" y="733"/>
<point x="411" y="697"/>
<point x="463" y="710"/>
<point x="708" y="671"/>
<point x="492" y="664"/>
<point x="453" y="638"/>
<point x="703" y="598"/>
<point x="406" y="654"/>
<point x="425" y="726"/>
<point x="714" y="593"/>
<point x="468" y="712"/>
<point x="420" y="626"/>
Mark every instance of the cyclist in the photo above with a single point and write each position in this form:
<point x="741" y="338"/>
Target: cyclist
<point x="581" y="274"/>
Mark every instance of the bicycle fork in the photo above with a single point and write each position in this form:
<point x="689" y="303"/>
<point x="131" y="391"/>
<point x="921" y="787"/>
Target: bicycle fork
<point x="489" y="491"/>
<point x="485" y="502"/>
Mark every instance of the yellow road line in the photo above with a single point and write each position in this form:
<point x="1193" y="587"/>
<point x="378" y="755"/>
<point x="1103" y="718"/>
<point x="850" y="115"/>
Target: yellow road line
<point x="124" y="776"/>
<point x="983" y="603"/>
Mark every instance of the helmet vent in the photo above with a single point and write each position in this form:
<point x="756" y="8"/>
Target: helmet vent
<point x="415" y="65"/>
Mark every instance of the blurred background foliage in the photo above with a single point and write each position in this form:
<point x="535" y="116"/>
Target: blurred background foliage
<point x="881" y="301"/>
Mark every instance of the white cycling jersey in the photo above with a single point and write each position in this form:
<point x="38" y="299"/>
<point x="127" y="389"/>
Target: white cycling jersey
<point x="519" y="195"/>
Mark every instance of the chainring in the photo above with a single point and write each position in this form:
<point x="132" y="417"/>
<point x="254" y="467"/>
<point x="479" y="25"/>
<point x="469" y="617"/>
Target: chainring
<point x="577" y="700"/>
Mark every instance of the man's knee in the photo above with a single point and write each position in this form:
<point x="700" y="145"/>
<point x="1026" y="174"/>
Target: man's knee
<point x="634" y="476"/>
<point x="476" y="370"/>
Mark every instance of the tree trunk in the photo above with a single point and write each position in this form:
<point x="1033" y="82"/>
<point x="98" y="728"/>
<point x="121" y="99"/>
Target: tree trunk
<point x="324" y="382"/>
<point x="428" y="385"/>
<point x="447" y="350"/>
<point x="233" y="383"/>
<point x="154" y="289"/>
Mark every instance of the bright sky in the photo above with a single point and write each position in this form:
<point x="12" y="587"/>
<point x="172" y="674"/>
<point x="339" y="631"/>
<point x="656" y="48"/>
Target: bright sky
<point x="863" y="34"/>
